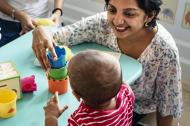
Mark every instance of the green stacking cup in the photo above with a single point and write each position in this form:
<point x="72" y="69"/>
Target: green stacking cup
<point x="59" y="73"/>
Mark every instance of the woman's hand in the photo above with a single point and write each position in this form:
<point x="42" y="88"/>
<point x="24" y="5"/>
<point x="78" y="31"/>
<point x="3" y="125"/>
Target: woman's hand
<point x="55" y="18"/>
<point x="43" y="40"/>
<point x="27" y="23"/>
<point x="164" y="121"/>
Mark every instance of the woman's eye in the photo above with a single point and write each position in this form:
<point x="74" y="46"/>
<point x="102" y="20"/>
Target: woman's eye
<point x="128" y="14"/>
<point x="111" y="10"/>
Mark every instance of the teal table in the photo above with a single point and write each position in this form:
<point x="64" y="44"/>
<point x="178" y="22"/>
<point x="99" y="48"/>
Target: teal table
<point x="30" y="107"/>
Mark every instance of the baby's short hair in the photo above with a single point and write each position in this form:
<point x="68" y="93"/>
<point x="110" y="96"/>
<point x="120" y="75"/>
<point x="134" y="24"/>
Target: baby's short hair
<point x="95" y="76"/>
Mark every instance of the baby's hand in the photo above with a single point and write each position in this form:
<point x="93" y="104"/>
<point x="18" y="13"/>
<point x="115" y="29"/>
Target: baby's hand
<point x="52" y="109"/>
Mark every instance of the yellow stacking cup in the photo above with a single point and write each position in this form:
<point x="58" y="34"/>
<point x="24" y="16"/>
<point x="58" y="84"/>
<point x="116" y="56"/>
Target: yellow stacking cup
<point x="7" y="103"/>
<point x="44" y="22"/>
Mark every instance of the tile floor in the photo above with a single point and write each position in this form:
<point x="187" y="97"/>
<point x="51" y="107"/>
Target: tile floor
<point x="184" y="120"/>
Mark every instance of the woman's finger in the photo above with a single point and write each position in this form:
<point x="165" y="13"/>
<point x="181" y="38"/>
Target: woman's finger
<point x="53" y="53"/>
<point x="38" y="56"/>
<point x="44" y="59"/>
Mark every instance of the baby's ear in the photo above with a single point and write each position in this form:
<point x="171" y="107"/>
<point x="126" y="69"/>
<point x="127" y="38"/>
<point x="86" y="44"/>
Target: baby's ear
<point x="76" y="95"/>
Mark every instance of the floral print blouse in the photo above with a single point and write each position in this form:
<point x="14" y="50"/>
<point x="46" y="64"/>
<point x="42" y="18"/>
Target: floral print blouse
<point x="159" y="87"/>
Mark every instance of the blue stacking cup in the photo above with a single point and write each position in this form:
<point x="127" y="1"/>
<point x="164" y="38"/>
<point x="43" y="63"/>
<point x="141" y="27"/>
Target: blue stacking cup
<point x="61" y="58"/>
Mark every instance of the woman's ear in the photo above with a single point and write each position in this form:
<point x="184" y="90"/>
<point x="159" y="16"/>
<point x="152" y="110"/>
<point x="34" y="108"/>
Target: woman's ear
<point x="149" y="18"/>
<point x="76" y="96"/>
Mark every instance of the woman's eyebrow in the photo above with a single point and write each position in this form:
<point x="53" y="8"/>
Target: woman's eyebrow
<point x="127" y="9"/>
<point x="130" y="9"/>
<point x="111" y="5"/>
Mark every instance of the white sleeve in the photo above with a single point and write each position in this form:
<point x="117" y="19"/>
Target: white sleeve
<point x="91" y="29"/>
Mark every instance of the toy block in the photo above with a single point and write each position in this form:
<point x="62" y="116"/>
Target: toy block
<point x="10" y="77"/>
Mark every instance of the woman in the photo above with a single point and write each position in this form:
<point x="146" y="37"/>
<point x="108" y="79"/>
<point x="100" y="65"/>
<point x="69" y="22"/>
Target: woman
<point x="129" y="26"/>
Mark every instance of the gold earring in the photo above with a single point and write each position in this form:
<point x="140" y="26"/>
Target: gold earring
<point x="146" y="24"/>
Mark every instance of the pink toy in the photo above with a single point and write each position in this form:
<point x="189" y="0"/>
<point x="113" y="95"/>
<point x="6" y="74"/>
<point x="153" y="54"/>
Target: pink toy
<point x="28" y="84"/>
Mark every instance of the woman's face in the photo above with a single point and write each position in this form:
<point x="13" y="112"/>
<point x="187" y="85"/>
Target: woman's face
<point x="125" y="18"/>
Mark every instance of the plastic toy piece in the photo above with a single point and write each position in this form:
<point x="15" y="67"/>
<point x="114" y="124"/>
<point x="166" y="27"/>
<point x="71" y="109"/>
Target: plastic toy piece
<point x="28" y="84"/>
<point x="11" y="110"/>
<point x="68" y="53"/>
<point x="44" y="22"/>
<point x="7" y="102"/>
<point x="61" y="58"/>
<point x="61" y="86"/>
<point x="57" y="74"/>
<point x="10" y="77"/>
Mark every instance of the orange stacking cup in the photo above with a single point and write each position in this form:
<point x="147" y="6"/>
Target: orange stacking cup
<point x="58" y="85"/>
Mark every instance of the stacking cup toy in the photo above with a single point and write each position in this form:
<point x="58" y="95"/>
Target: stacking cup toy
<point x="57" y="74"/>
<point x="61" y="86"/>
<point x="61" y="58"/>
<point x="68" y="53"/>
<point x="7" y="103"/>
<point x="44" y="22"/>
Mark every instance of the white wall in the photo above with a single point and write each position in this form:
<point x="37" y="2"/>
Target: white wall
<point x="75" y="9"/>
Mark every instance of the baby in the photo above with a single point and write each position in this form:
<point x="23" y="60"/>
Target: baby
<point x="96" y="81"/>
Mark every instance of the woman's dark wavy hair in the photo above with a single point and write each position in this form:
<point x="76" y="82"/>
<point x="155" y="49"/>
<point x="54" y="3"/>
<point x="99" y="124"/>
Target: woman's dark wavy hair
<point x="150" y="7"/>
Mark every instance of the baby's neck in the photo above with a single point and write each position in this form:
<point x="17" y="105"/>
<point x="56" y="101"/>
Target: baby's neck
<point x="109" y="105"/>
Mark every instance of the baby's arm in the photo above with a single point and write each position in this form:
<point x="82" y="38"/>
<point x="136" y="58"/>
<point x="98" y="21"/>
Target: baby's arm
<point x="52" y="111"/>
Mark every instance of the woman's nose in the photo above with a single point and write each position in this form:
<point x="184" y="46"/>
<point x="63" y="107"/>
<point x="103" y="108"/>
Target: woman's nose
<point x="119" y="19"/>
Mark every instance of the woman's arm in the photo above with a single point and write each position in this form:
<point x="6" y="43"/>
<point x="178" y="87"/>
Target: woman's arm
<point x="26" y="21"/>
<point x="58" y="5"/>
<point x="87" y="29"/>
<point x="168" y="88"/>
<point x="91" y="28"/>
<point x="6" y="8"/>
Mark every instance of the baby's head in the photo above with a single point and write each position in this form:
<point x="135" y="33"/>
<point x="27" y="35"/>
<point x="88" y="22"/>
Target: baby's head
<point x="95" y="76"/>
